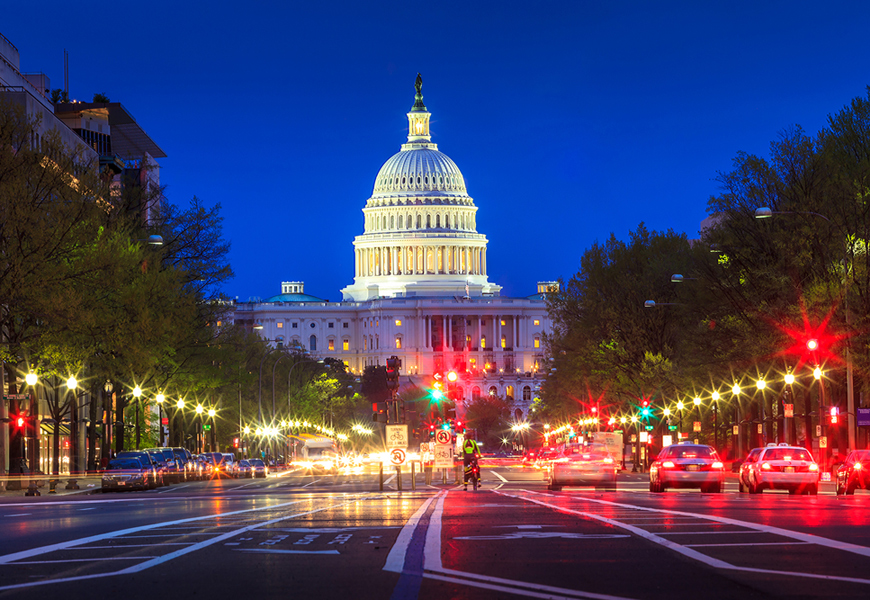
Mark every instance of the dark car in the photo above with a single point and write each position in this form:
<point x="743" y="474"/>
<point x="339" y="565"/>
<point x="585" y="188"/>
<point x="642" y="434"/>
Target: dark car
<point x="126" y="474"/>
<point x="147" y="462"/>
<point x="160" y="463"/>
<point x="259" y="467"/>
<point x="854" y="473"/>
<point x="186" y="467"/>
<point x="244" y="469"/>
<point x="221" y="467"/>
<point x="172" y="468"/>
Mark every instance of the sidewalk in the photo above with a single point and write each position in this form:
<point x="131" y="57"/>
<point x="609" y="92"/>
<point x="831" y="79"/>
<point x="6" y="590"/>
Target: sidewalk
<point x="86" y="483"/>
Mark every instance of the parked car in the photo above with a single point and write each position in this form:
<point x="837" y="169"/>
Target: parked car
<point x="783" y="467"/>
<point x="126" y="474"/>
<point x="259" y="467"/>
<point x="162" y="471"/>
<point x="172" y="470"/>
<point x="147" y="463"/>
<point x="854" y="473"/>
<point x="687" y="465"/>
<point x="590" y="464"/>
<point x="184" y="459"/>
<point x="743" y="473"/>
<point x="229" y="461"/>
<point x="244" y="469"/>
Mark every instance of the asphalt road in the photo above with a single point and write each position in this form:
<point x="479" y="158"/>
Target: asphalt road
<point x="339" y="536"/>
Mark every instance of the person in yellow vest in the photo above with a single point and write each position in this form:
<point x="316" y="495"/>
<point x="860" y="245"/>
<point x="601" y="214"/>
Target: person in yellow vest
<point x="470" y="454"/>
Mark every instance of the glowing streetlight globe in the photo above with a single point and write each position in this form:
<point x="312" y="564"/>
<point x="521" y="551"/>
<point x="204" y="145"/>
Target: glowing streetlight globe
<point x="160" y="398"/>
<point x="212" y="412"/>
<point x="817" y="373"/>
<point x="680" y="405"/>
<point x="137" y="392"/>
<point x="180" y="404"/>
<point x="634" y="418"/>
<point x="715" y="396"/>
<point x="199" y="409"/>
<point x="246" y="430"/>
<point x="666" y="412"/>
<point x="735" y="390"/>
<point x="789" y="378"/>
<point x="71" y="383"/>
<point x="697" y="401"/>
<point x="30" y="379"/>
<point x="761" y="384"/>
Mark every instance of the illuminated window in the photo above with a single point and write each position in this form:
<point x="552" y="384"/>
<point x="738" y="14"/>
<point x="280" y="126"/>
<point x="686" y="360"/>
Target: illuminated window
<point x="468" y="341"/>
<point x="503" y="323"/>
<point x="280" y="325"/>
<point x="536" y="322"/>
<point x="503" y="342"/>
<point x="475" y="393"/>
<point x="218" y="323"/>
<point x="398" y="322"/>
<point x="483" y="342"/>
<point x="537" y="342"/>
<point x="345" y="345"/>
<point x="365" y="343"/>
<point x="398" y="343"/>
<point x="331" y="344"/>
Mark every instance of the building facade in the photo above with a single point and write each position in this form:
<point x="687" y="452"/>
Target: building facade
<point x="420" y="289"/>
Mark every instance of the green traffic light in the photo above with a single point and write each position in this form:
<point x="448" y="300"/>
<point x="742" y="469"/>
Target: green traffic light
<point x="645" y="412"/>
<point x="437" y="394"/>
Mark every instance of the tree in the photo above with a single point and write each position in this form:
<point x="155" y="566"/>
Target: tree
<point x="488" y="415"/>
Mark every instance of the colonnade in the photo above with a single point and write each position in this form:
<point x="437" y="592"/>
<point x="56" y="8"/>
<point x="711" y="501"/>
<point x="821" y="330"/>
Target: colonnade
<point x="420" y="260"/>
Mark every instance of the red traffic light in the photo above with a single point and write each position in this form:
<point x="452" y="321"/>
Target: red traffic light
<point x="835" y="413"/>
<point x="644" y="403"/>
<point x="594" y="410"/>
<point x="812" y="344"/>
<point x="452" y="376"/>
<point x="235" y="442"/>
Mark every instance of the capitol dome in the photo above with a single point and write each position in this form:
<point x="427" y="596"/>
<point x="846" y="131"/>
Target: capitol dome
<point x="420" y="230"/>
<point x="420" y="172"/>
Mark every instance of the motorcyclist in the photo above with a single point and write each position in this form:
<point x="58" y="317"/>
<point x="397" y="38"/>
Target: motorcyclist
<point x="470" y="454"/>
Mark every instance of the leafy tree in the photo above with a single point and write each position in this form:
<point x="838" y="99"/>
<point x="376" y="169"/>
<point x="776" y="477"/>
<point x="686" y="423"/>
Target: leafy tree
<point x="488" y="415"/>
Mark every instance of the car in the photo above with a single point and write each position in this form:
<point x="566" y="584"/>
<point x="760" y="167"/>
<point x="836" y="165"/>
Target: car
<point x="687" y="465"/>
<point x="529" y="457"/>
<point x="186" y="468"/>
<point x="743" y="473"/>
<point x="244" y="469"/>
<point x="126" y="474"/>
<point x="544" y="457"/>
<point x="854" y="473"/>
<point x="578" y="464"/>
<point x="229" y="462"/>
<point x="259" y="467"/>
<point x="783" y="467"/>
<point x="171" y="470"/>
<point x="146" y="461"/>
<point x="160" y="463"/>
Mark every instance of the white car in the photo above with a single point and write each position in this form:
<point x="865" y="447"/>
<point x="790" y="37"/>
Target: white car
<point x="784" y="467"/>
<point x="687" y="465"/>
<point x="588" y="465"/>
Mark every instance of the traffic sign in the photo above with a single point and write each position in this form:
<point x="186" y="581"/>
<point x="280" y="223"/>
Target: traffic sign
<point x="696" y="425"/>
<point x="398" y="456"/>
<point x="397" y="436"/>
<point x="789" y="410"/>
<point x="672" y="427"/>
<point x="443" y="457"/>
<point x="442" y="436"/>
<point x="648" y="427"/>
<point x="823" y="441"/>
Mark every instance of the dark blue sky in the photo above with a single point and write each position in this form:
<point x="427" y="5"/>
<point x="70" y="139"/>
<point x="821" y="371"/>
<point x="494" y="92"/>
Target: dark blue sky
<point x="569" y="120"/>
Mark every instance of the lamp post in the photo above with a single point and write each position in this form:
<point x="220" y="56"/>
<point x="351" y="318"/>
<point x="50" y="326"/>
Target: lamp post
<point x="211" y="414"/>
<point x="735" y="393"/>
<point x="31" y="380"/>
<point x="160" y="400"/>
<point x="198" y="440"/>
<point x="765" y="212"/>
<point x="788" y="398"/>
<point x="680" y="407"/>
<point x="715" y="397"/>
<point x="179" y="409"/>
<point x="697" y="402"/>
<point x="71" y="385"/>
<point x="108" y="412"/>
<point x="137" y="393"/>
<point x="817" y="375"/>
<point x="761" y="432"/>
<point x="634" y="462"/>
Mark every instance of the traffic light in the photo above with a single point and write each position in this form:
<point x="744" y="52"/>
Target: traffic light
<point x="431" y="431"/>
<point x="379" y="412"/>
<point x="20" y="421"/>
<point x="437" y="392"/>
<point x="835" y="415"/>
<point x="812" y="344"/>
<point x="645" y="412"/>
<point x="393" y="366"/>
<point x="235" y="442"/>
<point x="644" y="403"/>
<point x="594" y="410"/>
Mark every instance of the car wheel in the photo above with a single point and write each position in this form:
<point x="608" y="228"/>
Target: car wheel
<point x="841" y="489"/>
<point x="754" y="489"/>
<point x="741" y="487"/>
<point x="813" y="490"/>
<point x="554" y="488"/>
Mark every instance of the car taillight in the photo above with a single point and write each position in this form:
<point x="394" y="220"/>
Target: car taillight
<point x="718" y="465"/>
<point x="765" y="466"/>
<point x="858" y="466"/>
<point x="668" y="464"/>
<point x="814" y="467"/>
<point x="608" y="460"/>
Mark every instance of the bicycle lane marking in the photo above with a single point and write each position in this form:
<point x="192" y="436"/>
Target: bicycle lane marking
<point x="12" y="559"/>
<point x="704" y="558"/>
<point x="431" y="530"/>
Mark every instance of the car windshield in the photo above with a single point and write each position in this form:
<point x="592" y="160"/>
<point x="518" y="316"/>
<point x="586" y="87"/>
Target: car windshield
<point x="319" y="453"/>
<point x="690" y="452"/>
<point x="257" y="463"/>
<point x="787" y="454"/>
<point x="124" y="463"/>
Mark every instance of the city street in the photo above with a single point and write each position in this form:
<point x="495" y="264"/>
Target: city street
<point x="331" y="536"/>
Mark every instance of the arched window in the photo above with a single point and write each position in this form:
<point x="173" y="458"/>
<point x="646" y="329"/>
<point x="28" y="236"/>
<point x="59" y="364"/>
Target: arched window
<point x="483" y="342"/>
<point x="509" y="393"/>
<point x="438" y="221"/>
<point x="493" y="391"/>
<point x="401" y="221"/>
<point x="392" y="222"/>
<point x="503" y="341"/>
<point x="312" y="343"/>
<point x="527" y="394"/>
<point x="418" y="221"/>
<point x="537" y="341"/>
<point x="428" y="221"/>
<point x="475" y="393"/>
<point x="398" y="342"/>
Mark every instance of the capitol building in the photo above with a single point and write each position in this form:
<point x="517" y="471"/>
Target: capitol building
<point x="420" y="289"/>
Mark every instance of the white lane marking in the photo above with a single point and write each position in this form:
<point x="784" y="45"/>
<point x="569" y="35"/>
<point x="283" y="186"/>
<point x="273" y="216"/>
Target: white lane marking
<point x="489" y="583"/>
<point x="735" y="532"/>
<point x="166" y="557"/>
<point x="499" y="486"/>
<point x="499" y="476"/>
<point x="15" y="556"/>
<point x="130" y="546"/>
<point x="708" y="560"/>
<point x="172" y="535"/>
<point x="749" y="544"/>
<point x="18" y="515"/>
<point x="66" y="560"/>
<point x="312" y="483"/>
<point x="396" y="558"/>
<point x="386" y="481"/>
<point x="433" y="568"/>
<point x="277" y="551"/>
<point x="91" y="508"/>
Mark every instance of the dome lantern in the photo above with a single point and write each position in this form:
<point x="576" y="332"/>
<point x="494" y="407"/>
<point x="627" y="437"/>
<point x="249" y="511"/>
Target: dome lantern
<point x="418" y="118"/>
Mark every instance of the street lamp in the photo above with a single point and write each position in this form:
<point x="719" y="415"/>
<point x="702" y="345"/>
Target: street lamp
<point x="179" y="410"/>
<point x="680" y="407"/>
<point x="735" y="392"/>
<point x="715" y="397"/>
<point x="71" y="385"/>
<point x="211" y="443"/>
<point x="160" y="398"/>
